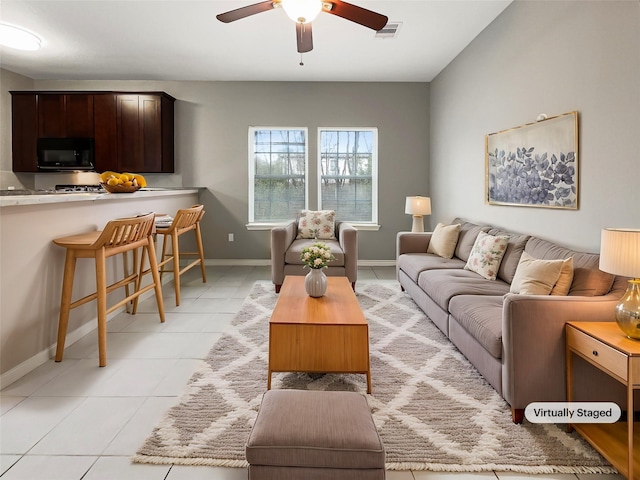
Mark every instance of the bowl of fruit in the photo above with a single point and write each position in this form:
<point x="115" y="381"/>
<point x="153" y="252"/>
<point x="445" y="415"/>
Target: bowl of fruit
<point x="114" y="182"/>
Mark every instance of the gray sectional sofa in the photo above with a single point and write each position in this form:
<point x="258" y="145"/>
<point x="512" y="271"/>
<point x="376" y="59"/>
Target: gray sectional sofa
<point x="515" y="341"/>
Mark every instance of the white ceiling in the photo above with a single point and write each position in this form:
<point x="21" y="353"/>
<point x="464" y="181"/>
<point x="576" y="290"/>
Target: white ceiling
<point x="182" y="40"/>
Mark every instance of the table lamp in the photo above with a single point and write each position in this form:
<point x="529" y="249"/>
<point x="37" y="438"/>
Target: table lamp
<point x="418" y="206"/>
<point x="620" y="255"/>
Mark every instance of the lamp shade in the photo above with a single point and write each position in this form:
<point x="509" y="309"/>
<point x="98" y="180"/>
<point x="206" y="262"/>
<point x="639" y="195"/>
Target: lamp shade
<point x="302" y="11"/>
<point x="418" y="206"/>
<point x="620" y="251"/>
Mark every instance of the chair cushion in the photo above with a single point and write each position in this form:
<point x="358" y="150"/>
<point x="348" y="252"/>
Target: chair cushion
<point x="300" y="428"/>
<point x="293" y="255"/>
<point x="320" y="224"/>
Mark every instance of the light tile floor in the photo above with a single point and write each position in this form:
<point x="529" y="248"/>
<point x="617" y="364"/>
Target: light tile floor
<point x="73" y="420"/>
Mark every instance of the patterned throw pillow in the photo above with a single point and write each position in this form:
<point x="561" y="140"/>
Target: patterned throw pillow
<point x="318" y="224"/>
<point x="486" y="255"/>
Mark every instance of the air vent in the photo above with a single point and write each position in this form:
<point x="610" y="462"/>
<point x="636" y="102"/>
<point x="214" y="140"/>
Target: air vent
<point x="390" y="30"/>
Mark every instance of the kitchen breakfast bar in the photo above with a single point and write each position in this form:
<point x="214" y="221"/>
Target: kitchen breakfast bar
<point x="31" y="266"/>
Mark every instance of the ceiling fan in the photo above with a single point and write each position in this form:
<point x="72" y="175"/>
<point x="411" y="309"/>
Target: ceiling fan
<point x="303" y="12"/>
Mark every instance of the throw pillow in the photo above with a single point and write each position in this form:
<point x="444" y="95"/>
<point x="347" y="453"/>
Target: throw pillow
<point x="318" y="224"/>
<point x="534" y="276"/>
<point x="486" y="255"/>
<point x="563" y="285"/>
<point x="444" y="240"/>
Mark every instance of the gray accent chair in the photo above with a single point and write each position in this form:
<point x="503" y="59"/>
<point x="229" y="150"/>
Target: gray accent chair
<point x="286" y="251"/>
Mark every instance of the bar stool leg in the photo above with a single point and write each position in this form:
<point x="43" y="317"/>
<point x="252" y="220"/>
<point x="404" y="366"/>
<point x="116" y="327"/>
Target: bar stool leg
<point x="65" y="302"/>
<point x="175" y="251"/>
<point x="153" y="263"/>
<point x="134" y="310"/>
<point x="101" y="290"/>
<point x="201" y="253"/>
<point x="164" y="253"/>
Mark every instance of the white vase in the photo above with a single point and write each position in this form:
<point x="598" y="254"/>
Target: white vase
<point x="315" y="283"/>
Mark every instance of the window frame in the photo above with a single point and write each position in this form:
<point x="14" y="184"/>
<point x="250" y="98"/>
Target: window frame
<point x="361" y="225"/>
<point x="252" y="224"/>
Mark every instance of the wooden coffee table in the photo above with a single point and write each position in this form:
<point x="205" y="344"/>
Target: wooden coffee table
<point x="318" y="335"/>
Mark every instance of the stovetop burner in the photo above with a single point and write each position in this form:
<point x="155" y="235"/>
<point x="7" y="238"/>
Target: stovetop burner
<point x="79" y="189"/>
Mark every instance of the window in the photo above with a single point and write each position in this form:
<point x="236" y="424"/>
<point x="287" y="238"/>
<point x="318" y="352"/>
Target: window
<point x="347" y="173"/>
<point x="277" y="173"/>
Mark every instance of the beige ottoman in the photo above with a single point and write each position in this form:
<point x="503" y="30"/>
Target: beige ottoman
<point x="307" y="435"/>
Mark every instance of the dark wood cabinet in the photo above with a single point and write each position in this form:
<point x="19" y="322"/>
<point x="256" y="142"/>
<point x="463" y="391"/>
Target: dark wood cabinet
<point x="24" y="132"/>
<point x="65" y="115"/>
<point x="145" y="133"/>
<point x="132" y="131"/>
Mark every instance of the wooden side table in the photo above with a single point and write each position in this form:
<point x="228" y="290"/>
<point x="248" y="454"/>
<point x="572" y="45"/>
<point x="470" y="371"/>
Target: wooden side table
<point x="604" y="346"/>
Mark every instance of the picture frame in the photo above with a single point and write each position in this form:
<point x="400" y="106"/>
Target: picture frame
<point x="534" y="165"/>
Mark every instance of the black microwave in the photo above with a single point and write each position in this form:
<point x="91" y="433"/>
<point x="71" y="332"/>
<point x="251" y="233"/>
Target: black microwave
<point x="55" y="154"/>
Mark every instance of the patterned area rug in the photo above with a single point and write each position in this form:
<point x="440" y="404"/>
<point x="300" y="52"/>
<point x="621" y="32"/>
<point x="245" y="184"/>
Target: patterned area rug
<point x="433" y="410"/>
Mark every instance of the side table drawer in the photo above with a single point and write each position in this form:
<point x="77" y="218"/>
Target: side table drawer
<point x="598" y="353"/>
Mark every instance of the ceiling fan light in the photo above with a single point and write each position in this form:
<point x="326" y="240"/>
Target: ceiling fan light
<point x="302" y="11"/>
<point x="18" y="38"/>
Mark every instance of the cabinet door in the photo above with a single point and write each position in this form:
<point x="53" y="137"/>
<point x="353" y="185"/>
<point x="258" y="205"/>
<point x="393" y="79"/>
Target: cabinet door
<point x="63" y="115"/>
<point x="128" y="126"/>
<point x="79" y="115"/>
<point x="51" y="116"/>
<point x="105" y="133"/>
<point x="24" y="132"/>
<point x="151" y="132"/>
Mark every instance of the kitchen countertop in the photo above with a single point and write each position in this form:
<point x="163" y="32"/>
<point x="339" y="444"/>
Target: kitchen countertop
<point x="35" y="199"/>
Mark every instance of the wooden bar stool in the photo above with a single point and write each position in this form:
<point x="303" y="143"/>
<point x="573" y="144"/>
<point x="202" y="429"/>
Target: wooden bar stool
<point x="186" y="220"/>
<point x="118" y="237"/>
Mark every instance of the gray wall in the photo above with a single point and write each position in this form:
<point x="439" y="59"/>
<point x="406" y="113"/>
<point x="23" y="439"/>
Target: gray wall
<point x="551" y="57"/>
<point x="212" y="121"/>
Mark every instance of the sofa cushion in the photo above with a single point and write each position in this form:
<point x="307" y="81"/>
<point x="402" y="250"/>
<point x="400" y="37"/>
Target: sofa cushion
<point x="534" y="276"/>
<point x="318" y="224"/>
<point x="511" y="257"/>
<point x="443" y="240"/>
<point x="481" y="316"/>
<point x="588" y="279"/>
<point x="486" y="255"/>
<point x="466" y="238"/>
<point x="293" y="254"/>
<point x="442" y="285"/>
<point x="415" y="263"/>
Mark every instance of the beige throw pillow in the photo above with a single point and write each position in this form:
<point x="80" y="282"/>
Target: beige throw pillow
<point x="318" y="224"/>
<point x="563" y="285"/>
<point x="486" y="255"/>
<point x="534" y="276"/>
<point x="444" y="240"/>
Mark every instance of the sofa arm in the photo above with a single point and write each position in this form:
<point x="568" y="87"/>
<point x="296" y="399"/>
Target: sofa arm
<point x="533" y="338"/>
<point x="348" y="239"/>
<point x="281" y="239"/>
<point x="412" y="242"/>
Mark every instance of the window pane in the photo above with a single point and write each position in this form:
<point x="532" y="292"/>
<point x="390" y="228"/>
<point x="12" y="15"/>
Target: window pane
<point x="347" y="163"/>
<point x="279" y="174"/>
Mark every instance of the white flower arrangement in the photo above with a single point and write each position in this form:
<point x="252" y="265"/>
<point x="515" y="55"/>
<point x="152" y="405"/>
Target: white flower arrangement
<point x="317" y="255"/>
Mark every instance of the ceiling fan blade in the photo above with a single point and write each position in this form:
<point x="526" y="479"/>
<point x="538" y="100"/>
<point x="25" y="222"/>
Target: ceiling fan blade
<point x="357" y="14"/>
<point x="304" y="37"/>
<point x="247" y="11"/>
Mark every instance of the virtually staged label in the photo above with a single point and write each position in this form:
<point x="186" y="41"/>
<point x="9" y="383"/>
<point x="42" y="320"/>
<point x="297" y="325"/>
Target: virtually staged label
<point x="572" y="412"/>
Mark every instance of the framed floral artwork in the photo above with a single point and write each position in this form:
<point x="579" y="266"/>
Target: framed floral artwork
<point x="534" y="165"/>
